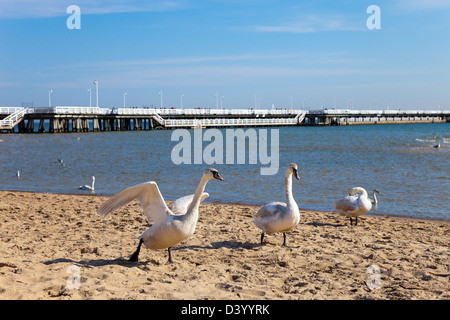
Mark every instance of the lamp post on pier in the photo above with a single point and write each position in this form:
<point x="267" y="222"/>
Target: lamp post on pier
<point x="160" y="93"/>
<point x="96" y="91"/>
<point x="90" y="97"/>
<point x="50" y="92"/>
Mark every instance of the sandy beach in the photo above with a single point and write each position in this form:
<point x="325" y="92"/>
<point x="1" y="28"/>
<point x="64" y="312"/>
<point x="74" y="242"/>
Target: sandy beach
<point x="55" y="246"/>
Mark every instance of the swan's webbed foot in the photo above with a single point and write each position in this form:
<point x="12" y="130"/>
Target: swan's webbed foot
<point x="135" y="255"/>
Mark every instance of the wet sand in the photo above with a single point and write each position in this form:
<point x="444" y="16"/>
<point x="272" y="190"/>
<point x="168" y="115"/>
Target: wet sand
<point x="55" y="246"/>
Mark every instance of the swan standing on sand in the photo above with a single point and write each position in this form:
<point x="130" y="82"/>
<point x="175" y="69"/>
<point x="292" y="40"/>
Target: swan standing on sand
<point x="86" y="187"/>
<point x="168" y="229"/>
<point x="353" y="205"/>
<point x="278" y="216"/>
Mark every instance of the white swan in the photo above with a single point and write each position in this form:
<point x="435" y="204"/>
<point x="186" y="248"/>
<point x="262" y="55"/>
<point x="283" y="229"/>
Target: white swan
<point x="354" y="205"/>
<point x="374" y="195"/>
<point x="168" y="229"/>
<point x="278" y="216"/>
<point x="86" y="187"/>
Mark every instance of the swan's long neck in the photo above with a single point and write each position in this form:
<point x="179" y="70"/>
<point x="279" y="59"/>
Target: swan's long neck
<point x="360" y="190"/>
<point x="193" y="207"/>
<point x="93" y="183"/>
<point x="290" y="201"/>
<point x="375" y="200"/>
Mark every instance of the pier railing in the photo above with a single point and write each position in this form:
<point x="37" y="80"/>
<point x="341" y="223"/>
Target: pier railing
<point x="10" y="121"/>
<point x="377" y="112"/>
<point x="231" y="122"/>
<point x="205" y="111"/>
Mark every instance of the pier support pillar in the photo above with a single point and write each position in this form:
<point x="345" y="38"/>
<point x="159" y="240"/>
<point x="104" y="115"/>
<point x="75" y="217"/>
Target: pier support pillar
<point x="77" y="125"/>
<point x="95" y="124"/>
<point x="41" y="126"/>
<point x="30" y="125"/>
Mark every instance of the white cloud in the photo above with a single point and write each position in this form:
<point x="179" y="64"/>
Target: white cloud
<point x="311" y="23"/>
<point x="53" y="8"/>
<point x="420" y="5"/>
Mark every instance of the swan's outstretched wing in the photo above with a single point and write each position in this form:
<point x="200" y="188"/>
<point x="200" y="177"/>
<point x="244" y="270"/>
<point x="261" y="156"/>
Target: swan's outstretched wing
<point x="180" y="206"/>
<point x="148" y="195"/>
<point x="347" y="205"/>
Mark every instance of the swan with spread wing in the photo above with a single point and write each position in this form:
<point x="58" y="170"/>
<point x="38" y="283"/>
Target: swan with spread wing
<point x="169" y="226"/>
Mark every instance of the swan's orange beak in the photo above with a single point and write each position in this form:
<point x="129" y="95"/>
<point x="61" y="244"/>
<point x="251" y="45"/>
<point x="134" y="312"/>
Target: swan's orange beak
<point x="217" y="176"/>
<point x="296" y="174"/>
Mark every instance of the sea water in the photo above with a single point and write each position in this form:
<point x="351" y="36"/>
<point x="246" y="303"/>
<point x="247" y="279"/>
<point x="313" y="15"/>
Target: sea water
<point x="399" y="160"/>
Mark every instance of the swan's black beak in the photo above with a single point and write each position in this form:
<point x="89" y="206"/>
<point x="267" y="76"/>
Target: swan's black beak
<point x="296" y="174"/>
<point x="217" y="176"/>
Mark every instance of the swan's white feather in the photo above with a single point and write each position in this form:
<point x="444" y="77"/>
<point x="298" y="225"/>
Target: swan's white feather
<point x="181" y="205"/>
<point x="347" y="206"/>
<point x="148" y="195"/>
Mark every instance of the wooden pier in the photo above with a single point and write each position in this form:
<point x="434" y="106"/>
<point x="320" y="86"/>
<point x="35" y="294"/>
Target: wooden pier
<point x="92" y="119"/>
<point x="339" y="117"/>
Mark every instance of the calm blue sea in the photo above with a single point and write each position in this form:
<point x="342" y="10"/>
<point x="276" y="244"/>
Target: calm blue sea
<point x="400" y="161"/>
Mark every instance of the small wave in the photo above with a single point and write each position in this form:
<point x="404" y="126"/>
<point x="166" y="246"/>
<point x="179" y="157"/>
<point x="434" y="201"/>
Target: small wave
<point x="426" y="140"/>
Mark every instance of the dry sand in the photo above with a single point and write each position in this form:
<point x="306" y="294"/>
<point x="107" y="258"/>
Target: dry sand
<point x="47" y="238"/>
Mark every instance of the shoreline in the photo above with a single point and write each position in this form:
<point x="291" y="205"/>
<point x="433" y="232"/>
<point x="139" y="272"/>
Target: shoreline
<point x="244" y="204"/>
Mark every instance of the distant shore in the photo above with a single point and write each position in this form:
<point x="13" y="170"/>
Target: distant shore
<point x="47" y="240"/>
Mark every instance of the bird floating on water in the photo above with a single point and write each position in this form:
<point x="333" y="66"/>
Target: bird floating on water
<point x="60" y="160"/>
<point x="86" y="187"/>
<point x="168" y="229"/>
<point x="374" y="195"/>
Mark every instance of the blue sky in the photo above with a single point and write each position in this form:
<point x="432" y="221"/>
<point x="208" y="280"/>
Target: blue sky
<point x="316" y="53"/>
